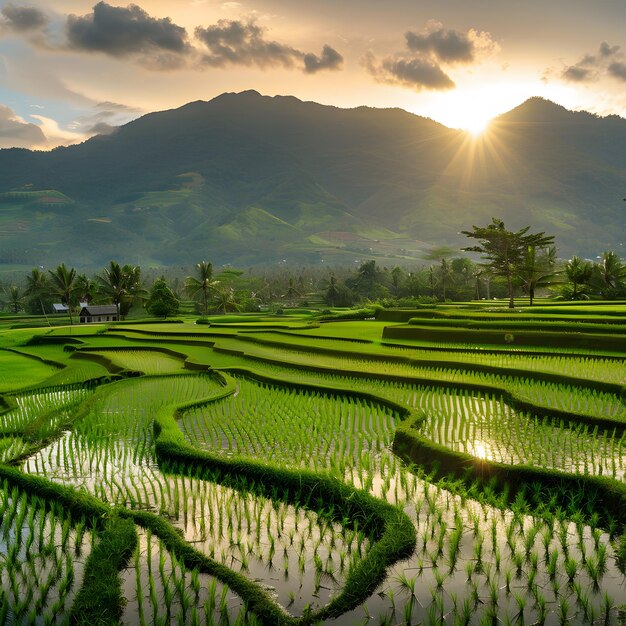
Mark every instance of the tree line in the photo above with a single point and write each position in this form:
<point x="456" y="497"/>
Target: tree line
<point x="512" y="263"/>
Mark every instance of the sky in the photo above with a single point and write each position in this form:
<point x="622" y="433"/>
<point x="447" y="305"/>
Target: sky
<point x="70" y="69"/>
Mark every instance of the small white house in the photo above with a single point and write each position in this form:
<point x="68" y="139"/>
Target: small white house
<point x="98" y="313"/>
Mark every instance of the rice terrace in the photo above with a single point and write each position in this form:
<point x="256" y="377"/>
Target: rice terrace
<point x="455" y="463"/>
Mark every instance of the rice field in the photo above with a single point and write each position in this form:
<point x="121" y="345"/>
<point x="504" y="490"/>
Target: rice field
<point x="44" y="553"/>
<point x="222" y="539"/>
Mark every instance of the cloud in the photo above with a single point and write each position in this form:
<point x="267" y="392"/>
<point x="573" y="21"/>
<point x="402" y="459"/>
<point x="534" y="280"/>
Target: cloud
<point x="329" y="60"/>
<point x="578" y="74"/>
<point x="105" y="119"/>
<point x="16" y="132"/>
<point x="235" y="42"/>
<point x="55" y="135"/>
<point x="617" y="69"/>
<point x="592" y="66"/>
<point x="22" y="19"/>
<point x="128" y="31"/>
<point x="243" y="43"/>
<point x="419" y="66"/>
<point x="449" y="46"/>
<point x="160" y="44"/>
<point x="102" y="128"/>
<point x="416" y="73"/>
<point x="608" y="51"/>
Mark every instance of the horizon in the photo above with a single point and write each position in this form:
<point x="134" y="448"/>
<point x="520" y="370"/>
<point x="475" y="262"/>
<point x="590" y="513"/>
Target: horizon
<point x="476" y="130"/>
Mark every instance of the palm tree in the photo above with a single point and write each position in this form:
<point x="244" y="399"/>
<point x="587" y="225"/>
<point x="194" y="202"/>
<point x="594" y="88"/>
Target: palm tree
<point x="609" y="273"/>
<point x="537" y="270"/>
<point x="224" y="300"/>
<point x="112" y="283"/>
<point x="86" y="288"/>
<point x="578" y="273"/>
<point x="202" y="283"/>
<point x="445" y="275"/>
<point x="292" y="293"/>
<point x="397" y="276"/>
<point x="332" y="291"/>
<point x="37" y="286"/>
<point x="63" y="284"/>
<point x="120" y="284"/>
<point x="15" y="299"/>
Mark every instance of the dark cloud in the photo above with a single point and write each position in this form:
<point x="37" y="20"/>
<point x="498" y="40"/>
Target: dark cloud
<point x="578" y="74"/>
<point x="159" y="44"/>
<point x="608" y="51"/>
<point x="235" y="42"/>
<point x="23" y="19"/>
<point x="617" y="69"/>
<point x="243" y="43"/>
<point x="416" y="73"/>
<point x="124" y="31"/>
<point x="329" y="60"/>
<point x="420" y="65"/>
<point x="592" y="66"/>
<point x="16" y="133"/>
<point x="448" y="46"/>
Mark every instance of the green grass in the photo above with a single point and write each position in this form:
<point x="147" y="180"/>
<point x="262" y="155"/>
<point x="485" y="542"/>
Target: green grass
<point x="20" y="371"/>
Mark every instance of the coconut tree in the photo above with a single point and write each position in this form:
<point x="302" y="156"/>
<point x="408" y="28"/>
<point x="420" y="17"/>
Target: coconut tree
<point x="201" y="283"/>
<point x="332" y="291"/>
<point x="537" y="270"/>
<point x="37" y="286"/>
<point x="445" y="276"/>
<point x="63" y="284"/>
<point x="14" y="299"/>
<point x="578" y="273"/>
<point x="86" y="288"/>
<point x="608" y="274"/>
<point x="120" y="284"/>
<point x="292" y="293"/>
<point x="224" y="299"/>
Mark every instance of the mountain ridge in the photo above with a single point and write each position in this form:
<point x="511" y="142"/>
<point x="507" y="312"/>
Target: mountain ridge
<point x="172" y="184"/>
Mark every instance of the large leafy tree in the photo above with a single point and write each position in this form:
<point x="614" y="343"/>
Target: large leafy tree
<point x="162" y="301"/>
<point x="201" y="283"/>
<point x="63" y="284"/>
<point x="504" y="250"/>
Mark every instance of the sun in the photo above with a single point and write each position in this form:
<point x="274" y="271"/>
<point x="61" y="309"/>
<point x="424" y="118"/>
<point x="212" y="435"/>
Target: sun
<point x="476" y="126"/>
<point x="471" y="113"/>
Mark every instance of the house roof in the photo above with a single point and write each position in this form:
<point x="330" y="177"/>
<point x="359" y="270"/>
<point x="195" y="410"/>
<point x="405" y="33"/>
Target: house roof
<point x="60" y="307"/>
<point x="99" y="309"/>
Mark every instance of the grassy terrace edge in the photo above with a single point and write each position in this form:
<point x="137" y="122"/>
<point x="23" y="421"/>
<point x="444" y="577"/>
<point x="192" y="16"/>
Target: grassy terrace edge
<point x="442" y="462"/>
<point x="390" y="527"/>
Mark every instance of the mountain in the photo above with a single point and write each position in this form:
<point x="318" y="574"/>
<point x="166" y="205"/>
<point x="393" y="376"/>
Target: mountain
<point x="246" y="178"/>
